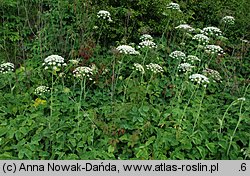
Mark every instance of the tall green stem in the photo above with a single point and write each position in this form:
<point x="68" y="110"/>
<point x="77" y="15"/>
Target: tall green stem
<point x="51" y="97"/>
<point x="196" y="119"/>
<point x="222" y="120"/>
<point x="180" y="120"/>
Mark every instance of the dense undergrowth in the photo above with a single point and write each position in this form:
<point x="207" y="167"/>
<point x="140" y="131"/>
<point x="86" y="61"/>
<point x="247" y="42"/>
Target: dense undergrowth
<point x="85" y="80"/>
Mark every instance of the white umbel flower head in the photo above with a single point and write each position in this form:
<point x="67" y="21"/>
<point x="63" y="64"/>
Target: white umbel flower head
<point x="201" y="38"/>
<point x="6" y="67"/>
<point x="139" y="67"/>
<point x="212" y="31"/>
<point x="199" y="79"/>
<point x="103" y="14"/>
<point x="126" y="49"/>
<point x="185" y="67"/>
<point x="74" y="61"/>
<point x="146" y="37"/>
<point x="214" y="50"/>
<point x="53" y="62"/>
<point x="155" y="68"/>
<point x="178" y="55"/>
<point x="82" y="72"/>
<point x="192" y="59"/>
<point x="173" y="6"/>
<point x="41" y="90"/>
<point x="147" y="44"/>
<point x="213" y="74"/>
<point x="228" y="20"/>
<point x="185" y="27"/>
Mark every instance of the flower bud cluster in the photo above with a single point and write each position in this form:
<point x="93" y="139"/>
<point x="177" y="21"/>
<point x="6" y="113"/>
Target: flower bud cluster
<point x="139" y="67"/>
<point x="228" y="20"/>
<point x="211" y="31"/>
<point x="126" y="49"/>
<point x="53" y="62"/>
<point x="81" y="72"/>
<point x="177" y="55"/>
<point x="199" y="79"/>
<point x="185" y="27"/>
<point x="41" y="90"/>
<point x="201" y="38"/>
<point x="213" y="74"/>
<point x="214" y="50"/>
<point x="104" y="15"/>
<point x="6" y="67"/>
<point x="155" y="68"/>
<point x="185" y="67"/>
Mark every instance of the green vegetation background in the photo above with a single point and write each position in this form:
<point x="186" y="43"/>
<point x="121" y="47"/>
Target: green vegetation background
<point x="31" y="30"/>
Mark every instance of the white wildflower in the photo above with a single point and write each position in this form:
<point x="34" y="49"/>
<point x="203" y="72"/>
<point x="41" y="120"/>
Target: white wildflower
<point x="104" y="15"/>
<point x="147" y="44"/>
<point x="201" y="38"/>
<point x="41" y="90"/>
<point x="74" y="61"/>
<point x="53" y="62"/>
<point x="192" y="59"/>
<point x="126" y="49"/>
<point x="178" y="55"/>
<point x="199" y="79"/>
<point x="185" y="67"/>
<point x="6" y="67"/>
<point x="81" y="72"/>
<point x="173" y="6"/>
<point x="146" y="37"/>
<point x="213" y="74"/>
<point x="214" y="49"/>
<point x="155" y="68"/>
<point x="212" y="31"/>
<point x="228" y="20"/>
<point x="139" y="67"/>
<point x="185" y="27"/>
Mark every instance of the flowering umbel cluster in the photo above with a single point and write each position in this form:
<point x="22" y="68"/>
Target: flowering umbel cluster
<point x="185" y="67"/>
<point x="192" y="59"/>
<point x="214" y="50"/>
<point x="74" y="61"/>
<point x="126" y="49"/>
<point x="213" y="74"/>
<point x="104" y="15"/>
<point x="53" y="62"/>
<point x="139" y="67"/>
<point x="155" y="68"/>
<point x="212" y="31"/>
<point x="201" y="38"/>
<point x="146" y="37"/>
<point x="228" y="20"/>
<point x="199" y="79"/>
<point x="41" y="90"/>
<point x="147" y="42"/>
<point x="177" y="55"/>
<point x="185" y="27"/>
<point x="174" y="6"/>
<point x="6" y="67"/>
<point x="82" y="72"/>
